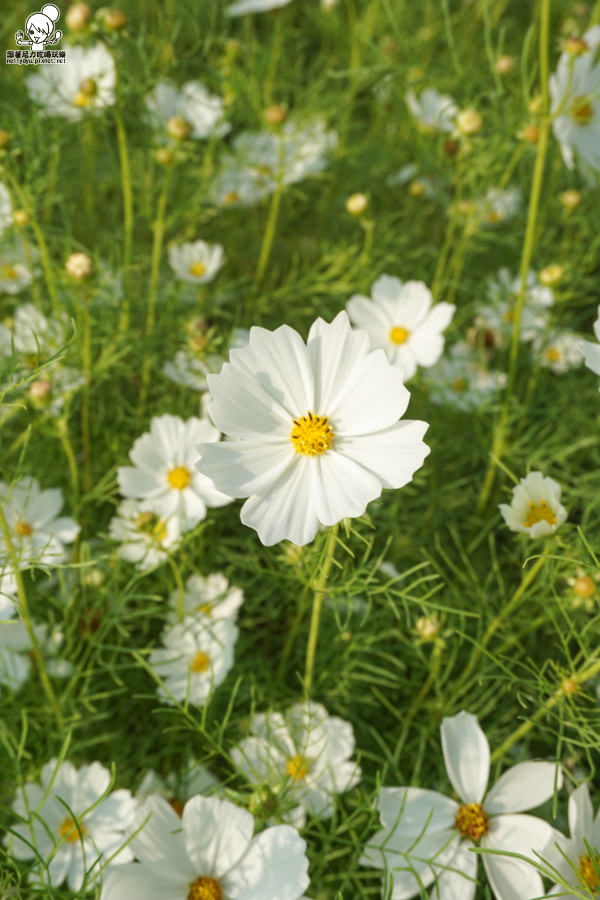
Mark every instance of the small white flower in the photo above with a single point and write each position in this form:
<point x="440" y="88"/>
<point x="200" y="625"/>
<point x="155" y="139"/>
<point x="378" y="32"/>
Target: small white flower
<point x="243" y="7"/>
<point x="211" y="597"/>
<point x="33" y="333"/>
<point x="575" y="91"/>
<point x="499" y="314"/>
<point x="84" y="84"/>
<point x="401" y="320"/>
<point x="314" y="429"/>
<point x="590" y="351"/>
<point x="428" y="837"/>
<point x="15" y="272"/>
<point x="433" y="111"/>
<point x="419" y="184"/>
<point x="38" y="533"/>
<point x="201" y="111"/>
<point x="195" y="659"/>
<point x="189" y="370"/>
<point x="302" y="757"/>
<point x="178" y="788"/>
<point x="164" y="476"/>
<point x="498" y="206"/>
<point x="146" y="540"/>
<point x="208" y="853"/>
<point x="196" y="262"/>
<point x="461" y="380"/>
<point x="6" y="209"/>
<point x="572" y="858"/>
<point x="68" y="826"/>
<point x="15" y="663"/>
<point x="535" y="508"/>
<point x="559" y="352"/>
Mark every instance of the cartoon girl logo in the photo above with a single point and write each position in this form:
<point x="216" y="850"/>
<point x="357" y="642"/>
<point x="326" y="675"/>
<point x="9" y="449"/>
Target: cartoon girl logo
<point x="39" y="27"/>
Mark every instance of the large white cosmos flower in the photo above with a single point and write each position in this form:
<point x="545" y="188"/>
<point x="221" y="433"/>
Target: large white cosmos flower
<point x="575" y="93"/>
<point x="400" y="319"/>
<point x="72" y="821"/>
<point x="314" y="429"/>
<point x="577" y="858"/>
<point x="427" y="836"/>
<point x="163" y="475"/>
<point x="85" y="84"/>
<point x="208" y="854"/>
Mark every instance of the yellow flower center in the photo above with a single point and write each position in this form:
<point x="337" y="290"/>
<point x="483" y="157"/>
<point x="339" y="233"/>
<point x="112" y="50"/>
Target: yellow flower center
<point x="539" y="513"/>
<point x="459" y="385"/>
<point x="179" y="478"/>
<point x="205" y="888"/>
<point x="152" y="525"/>
<point x="87" y="90"/>
<point x="296" y="767"/>
<point x="589" y="872"/>
<point x="23" y="529"/>
<point x="8" y="271"/>
<point x="311" y="435"/>
<point x="231" y="197"/>
<point x="552" y="354"/>
<point x="68" y="830"/>
<point x="206" y="608"/>
<point x="472" y="821"/>
<point x="582" y="111"/>
<point x="398" y="334"/>
<point x="494" y="217"/>
<point x="200" y="662"/>
<point x="198" y="269"/>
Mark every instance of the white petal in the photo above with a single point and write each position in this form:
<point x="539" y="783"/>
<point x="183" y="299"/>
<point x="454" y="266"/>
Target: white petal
<point x="511" y="879"/>
<point x="393" y="455"/>
<point x="161" y="837"/>
<point x="217" y="834"/>
<point x="243" y="408"/>
<point x="519" y="834"/>
<point x="581" y="815"/>
<point x="412" y="811"/>
<point x="274" y="867"/>
<point x="459" y="880"/>
<point x="371" y="397"/>
<point x="524" y="786"/>
<point x="133" y="881"/>
<point x="243" y="468"/>
<point x="467" y="756"/>
<point x="341" y="488"/>
<point x="334" y="350"/>
<point x="287" y="512"/>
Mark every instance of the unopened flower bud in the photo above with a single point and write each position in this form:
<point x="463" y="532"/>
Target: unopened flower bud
<point x="78" y="16"/>
<point x="427" y="628"/>
<point x="79" y="266"/>
<point x="21" y="218"/>
<point x="575" y="46"/>
<point x="164" y="156"/>
<point x="584" y="586"/>
<point x="551" y="275"/>
<point x="535" y="105"/>
<point x="504" y="64"/>
<point x="356" y="204"/>
<point x="293" y="553"/>
<point x="469" y="121"/>
<point x="4" y="139"/>
<point x="94" y="577"/>
<point x="530" y="134"/>
<point x="198" y="343"/>
<point x="570" y="198"/>
<point x="40" y="390"/>
<point x="416" y="188"/>
<point x="114" y="19"/>
<point x="569" y="686"/>
<point x="179" y="128"/>
<point x="275" y="114"/>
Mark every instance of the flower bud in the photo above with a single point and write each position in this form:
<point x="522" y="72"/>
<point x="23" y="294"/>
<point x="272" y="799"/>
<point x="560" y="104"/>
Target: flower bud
<point x="584" y="586"/>
<point x="164" y="156"/>
<point x="416" y="188"/>
<point x="469" y="121"/>
<point x="569" y="686"/>
<point x="427" y="628"/>
<point x="356" y="204"/>
<point x="504" y="64"/>
<point x="114" y="19"/>
<point x="530" y="134"/>
<point x="179" y="128"/>
<point x="551" y="275"/>
<point x="575" y="46"/>
<point x="275" y="114"/>
<point x="535" y="105"/>
<point x="78" y="16"/>
<point x="79" y="266"/>
<point x="570" y="198"/>
<point x="40" y="390"/>
<point x="21" y="218"/>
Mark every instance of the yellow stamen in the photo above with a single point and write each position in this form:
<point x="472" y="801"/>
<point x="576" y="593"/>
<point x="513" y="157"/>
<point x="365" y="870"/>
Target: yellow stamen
<point x="206" y="608"/>
<point x="589" y="872"/>
<point x="151" y="524"/>
<point x="68" y="830"/>
<point x="179" y="478"/>
<point x="398" y="334"/>
<point x="582" y="111"/>
<point x="296" y="768"/>
<point x="552" y="354"/>
<point x="459" y="385"/>
<point x="23" y="529"/>
<point x="494" y="217"/>
<point x="9" y="271"/>
<point x="311" y="435"/>
<point x="205" y="888"/>
<point x="539" y="513"/>
<point x="472" y="821"/>
<point x="231" y="197"/>
<point x="200" y="662"/>
<point x="197" y="269"/>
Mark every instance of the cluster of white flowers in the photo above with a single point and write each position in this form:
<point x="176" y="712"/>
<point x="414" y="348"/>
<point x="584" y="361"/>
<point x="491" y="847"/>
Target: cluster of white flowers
<point x="575" y="93"/>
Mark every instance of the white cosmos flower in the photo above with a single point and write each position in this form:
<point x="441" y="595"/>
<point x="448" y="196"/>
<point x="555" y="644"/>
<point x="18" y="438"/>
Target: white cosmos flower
<point x="177" y="788"/>
<point x="201" y="111"/>
<point x="498" y="206"/>
<point x="33" y="333"/>
<point x="15" y="663"/>
<point x="208" y="854"/>
<point x="559" y="352"/>
<point x="575" y="92"/>
<point x="577" y="858"/>
<point x="535" y="507"/>
<point x="498" y="315"/>
<point x="189" y="370"/>
<point x="196" y="262"/>
<point x="243" y="7"/>
<point x="163" y="475"/>
<point x="462" y="381"/>
<point x="427" y="836"/>
<point x="590" y="351"/>
<point x="146" y="539"/>
<point x="303" y="760"/>
<point x="433" y="111"/>
<point x="194" y="659"/>
<point x="314" y="429"/>
<point x="38" y="533"/>
<point x="6" y="209"/>
<point x="69" y="824"/>
<point x="84" y="84"/>
<point x="401" y="320"/>
<point x="16" y="270"/>
<point x="211" y="597"/>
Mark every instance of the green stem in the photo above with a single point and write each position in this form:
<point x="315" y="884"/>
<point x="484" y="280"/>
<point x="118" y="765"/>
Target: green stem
<point x="25" y="615"/>
<point x="534" y="201"/>
<point x="63" y="434"/>
<point x="180" y="604"/>
<point x="267" y="241"/>
<point x="567" y="686"/>
<point x="319" y="588"/>
<point x="127" y="219"/>
<point x="86" y="360"/>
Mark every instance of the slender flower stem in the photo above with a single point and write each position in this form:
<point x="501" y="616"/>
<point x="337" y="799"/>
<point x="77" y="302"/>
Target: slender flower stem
<point x="127" y="219"/>
<point x="319" y="588"/>
<point x="534" y="201"/>
<point x="267" y="241"/>
<point x="63" y="435"/>
<point x="25" y="615"/>
<point x="86" y="360"/>
<point x="567" y="686"/>
<point x="180" y="604"/>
